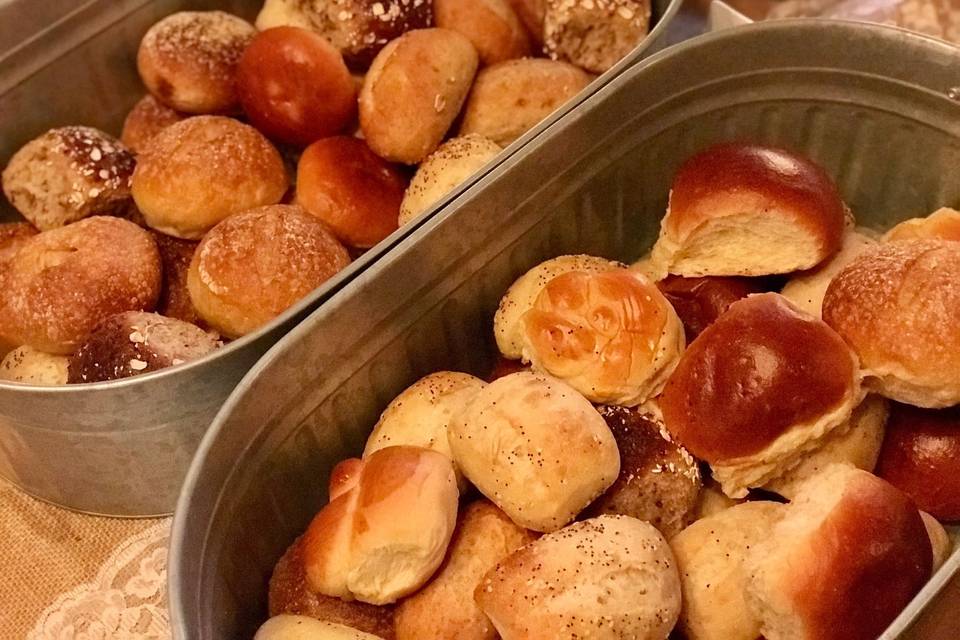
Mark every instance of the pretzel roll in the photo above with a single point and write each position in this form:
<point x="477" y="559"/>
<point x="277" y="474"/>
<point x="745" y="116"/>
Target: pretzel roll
<point x="293" y="627"/>
<point x="944" y="223"/>
<point x="939" y="540"/>
<point x="612" y="336"/>
<point x="491" y="26"/>
<point x="897" y="306"/>
<point x="700" y="301"/>
<point x="189" y="59"/>
<point x="147" y="118"/>
<point x="63" y="282"/>
<point x="746" y="209"/>
<point x="255" y="265"/>
<point x="594" y="35"/>
<point x="758" y="389"/>
<point x="175" y="256"/>
<point x="29" y="366"/>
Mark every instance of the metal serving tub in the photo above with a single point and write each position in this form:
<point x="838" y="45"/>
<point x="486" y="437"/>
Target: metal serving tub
<point x="122" y="448"/>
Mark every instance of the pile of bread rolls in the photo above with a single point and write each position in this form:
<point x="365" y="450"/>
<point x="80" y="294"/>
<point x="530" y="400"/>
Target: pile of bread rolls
<point x="191" y="214"/>
<point x="746" y="434"/>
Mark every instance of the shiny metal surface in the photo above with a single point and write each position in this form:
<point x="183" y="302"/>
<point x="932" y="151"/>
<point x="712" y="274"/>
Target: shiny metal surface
<point x="867" y="102"/>
<point x="122" y="448"/>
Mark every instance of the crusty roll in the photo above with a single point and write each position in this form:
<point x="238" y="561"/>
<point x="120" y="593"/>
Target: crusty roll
<point x="594" y="35"/>
<point x="29" y="366"/>
<point x="536" y="448"/>
<point x="63" y="282"/>
<point x="519" y="298"/>
<point x="175" y="256"/>
<point x="606" y="578"/>
<point x="188" y="60"/>
<point x="443" y="170"/>
<point x="385" y="536"/>
<point x="700" y="301"/>
<point x="710" y="556"/>
<point x="760" y="387"/>
<point x="939" y="540"/>
<point x="612" y="336"/>
<point x="146" y="119"/>
<point x="531" y="13"/>
<point x="13" y="235"/>
<point x="445" y="608"/>
<point x="255" y="265"/>
<point x="197" y="172"/>
<point x="898" y="307"/>
<point x="944" y="223"/>
<point x="510" y="98"/>
<point x="68" y="174"/>
<point x="746" y="209"/>
<point x="293" y="627"/>
<point x="848" y="555"/>
<point x="491" y="26"/>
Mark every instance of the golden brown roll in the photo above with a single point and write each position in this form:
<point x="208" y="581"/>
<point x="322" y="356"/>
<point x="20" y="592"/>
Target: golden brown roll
<point x="63" y="282"/>
<point x="445" y="608"/>
<point x="594" y="34"/>
<point x="612" y="336"/>
<point x="189" y="59"/>
<point x="536" y="448"/>
<point x="898" y="306"/>
<point x="146" y="119"/>
<point x="197" y="172"/>
<point x="491" y="26"/>
<point x="758" y="389"/>
<point x="255" y="265"/>
<point x="700" y="301"/>
<point x="606" y="578"/>
<point x="175" y="256"/>
<point x="944" y="223"/>
<point x="29" y="366"/>
<point x="13" y="235"/>
<point x="531" y="13"/>
<point x="746" y="209"/>
<point x="68" y="174"/>
<point x="939" y="540"/>
<point x="293" y="627"/>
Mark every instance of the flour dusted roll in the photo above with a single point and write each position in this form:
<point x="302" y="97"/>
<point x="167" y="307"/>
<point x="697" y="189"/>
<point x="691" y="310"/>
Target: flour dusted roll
<point x="147" y="118"/>
<point x="13" y="235"/>
<point x="943" y="223"/>
<point x="594" y="34"/>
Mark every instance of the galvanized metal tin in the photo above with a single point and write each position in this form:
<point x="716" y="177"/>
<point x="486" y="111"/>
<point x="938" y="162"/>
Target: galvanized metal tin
<point x="122" y="448"/>
<point x="869" y="103"/>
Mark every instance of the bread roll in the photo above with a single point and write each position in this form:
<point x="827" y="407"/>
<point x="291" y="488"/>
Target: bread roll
<point x="939" y="540"/>
<point x="612" y="336"/>
<point x="290" y="627"/>
<point x="607" y="577"/>
<point x="531" y="13"/>
<point x="898" y="307"/>
<point x="175" y="256"/>
<point x="490" y="25"/>
<point x="536" y="448"/>
<point x="445" y="608"/>
<point x="713" y="500"/>
<point x="510" y="98"/>
<point x="255" y="265"/>
<point x="197" y="172"/>
<point x="848" y="555"/>
<point x="68" y="174"/>
<point x="594" y="34"/>
<point x="444" y="170"/>
<point x="944" y="223"/>
<point x="806" y="291"/>
<point x="746" y="209"/>
<point x="146" y="119"/>
<point x="29" y="366"/>
<point x="710" y="556"/>
<point x="13" y="235"/>
<point x="386" y="535"/>
<point x="700" y="301"/>
<point x="758" y="389"/>
<point x="407" y="106"/>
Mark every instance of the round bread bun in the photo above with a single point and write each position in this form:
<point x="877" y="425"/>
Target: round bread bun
<point x="255" y="265"/>
<point x="188" y="60"/>
<point x="608" y="577"/>
<point x="594" y="35"/>
<point x="531" y="14"/>
<point x="29" y="366"/>
<point x="491" y="26"/>
<point x="849" y="553"/>
<point x="710" y="556"/>
<point x="147" y="118"/>
<point x="291" y="627"/>
<point x="175" y="256"/>
<point x="939" y="540"/>
<point x="68" y="174"/>
<point x="197" y="172"/>
<point x="898" y="307"/>
<point x="443" y="170"/>
<point x="612" y="336"/>
<point x="700" y="301"/>
<point x="745" y="209"/>
<point x="536" y="448"/>
<point x="758" y="389"/>
<point x="921" y="457"/>
<point x="944" y="223"/>
<point x="63" y="282"/>
<point x="295" y="87"/>
<point x="356" y="193"/>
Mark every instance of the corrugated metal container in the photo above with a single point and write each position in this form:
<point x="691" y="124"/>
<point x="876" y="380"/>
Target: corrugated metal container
<point x="122" y="448"/>
<point x="869" y="103"/>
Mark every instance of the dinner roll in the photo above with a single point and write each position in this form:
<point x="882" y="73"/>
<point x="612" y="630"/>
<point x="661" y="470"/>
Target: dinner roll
<point x="746" y="209"/>
<point x="13" y="235"/>
<point x="510" y="98"/>
<point x="63" y="282"/>
<point x="594" y="34"/>
<point x="197" y="172"/>
<point x="848" y="555"/>
<point x="29" y="366"/>
<point x="146" y="119"/>
<point x="443" y="170"/>
<point x="612" y="336"/>
<point x="491" y="26"/>
<point x="188" y="60"/>
<point x="531" y="14"/>
<point x="68" y="174"/>
<point x="407" y="106"/>
<point x="175" y="256"/>
<point x="939" y="540"/>
<point x="606" y="577"/>
<point x="759" y="388"/>
<point x="255" y="265"/>
<point x="944" y="223"/>
<point x="445" y="608"/>
<point x="710" y="556"/>
<point x="519" y="299"/>
<point x="536" y="448"/>
<point x="291" y="627"/>
<point x="898" y="307"/>
<point x="700" y="301"/>
<point x="385" y="536"/>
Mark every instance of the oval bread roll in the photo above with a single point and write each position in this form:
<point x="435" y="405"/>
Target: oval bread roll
<point x="292" y="627"/>
<point x="29" y="366"/>
<point x="491" y="26"/>
<point x="943" y="223"/>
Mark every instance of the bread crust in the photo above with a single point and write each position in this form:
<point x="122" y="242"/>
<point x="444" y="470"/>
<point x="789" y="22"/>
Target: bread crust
<point x="145" y="120"/>
<point x="492" y="27"/>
